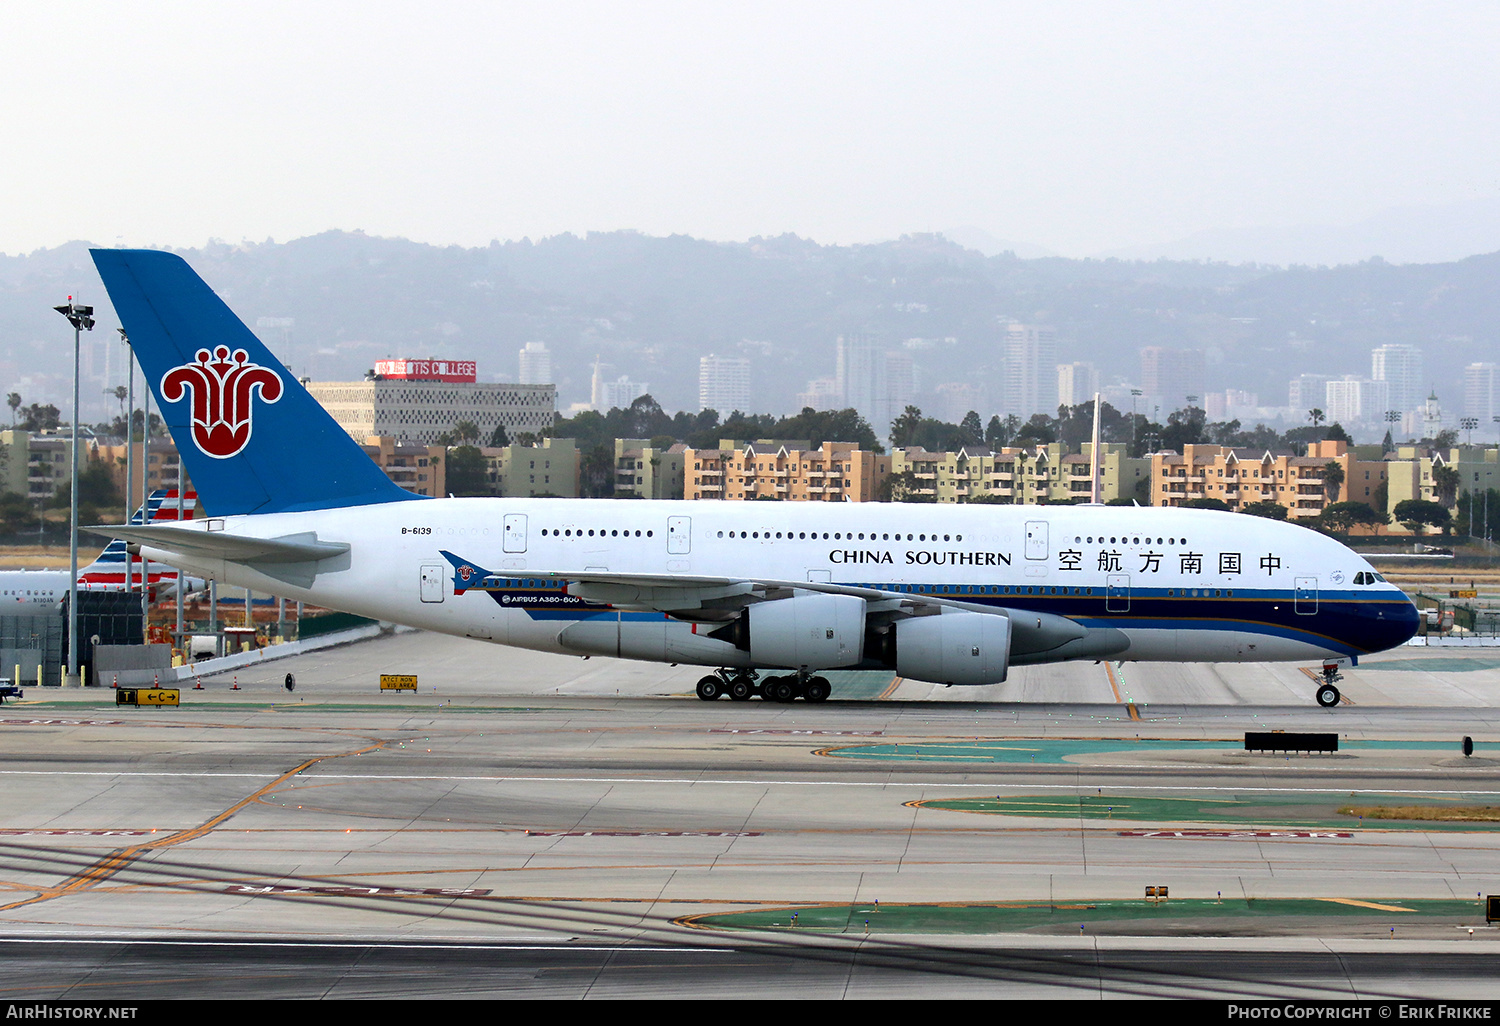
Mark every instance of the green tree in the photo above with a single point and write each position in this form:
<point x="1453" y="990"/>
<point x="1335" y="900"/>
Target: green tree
<point x="467" y="471"/>
<point x="903" y="487"/>
<point x="1268" y="508"/>
<point x="1341" y="516"/>
<point x="905" y="427"/>
<point x="1445" y="480"/>
<point x="1333" y="479"/>
<point x="1414" y="514"/>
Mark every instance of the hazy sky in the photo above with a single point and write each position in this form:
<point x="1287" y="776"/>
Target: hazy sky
<point x="1077" y="126"/>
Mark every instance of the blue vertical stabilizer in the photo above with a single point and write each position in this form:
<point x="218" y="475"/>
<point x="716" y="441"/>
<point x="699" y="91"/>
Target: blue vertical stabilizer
<point x="251" y="437"/>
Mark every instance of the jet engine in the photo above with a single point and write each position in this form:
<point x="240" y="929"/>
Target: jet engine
<point x="816" y="631"/>
<point x="954" y="648"/>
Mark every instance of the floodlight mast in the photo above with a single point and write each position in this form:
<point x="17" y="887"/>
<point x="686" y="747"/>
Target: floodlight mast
<point x="82" y="319"/>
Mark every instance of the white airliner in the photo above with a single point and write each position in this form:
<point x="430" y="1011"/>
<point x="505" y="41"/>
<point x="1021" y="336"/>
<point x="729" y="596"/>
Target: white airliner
<point x="946" y="594"/>
<point x="24" y="592"/>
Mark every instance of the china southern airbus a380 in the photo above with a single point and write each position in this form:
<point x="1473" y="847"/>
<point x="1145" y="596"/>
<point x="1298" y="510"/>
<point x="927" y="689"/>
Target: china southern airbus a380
<point x="946" y="594"/>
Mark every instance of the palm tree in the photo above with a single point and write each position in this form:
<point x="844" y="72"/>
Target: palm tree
<point x="14" y="402"/>
<point x="1317" y="416"/>
<point x="1333" y="479"/>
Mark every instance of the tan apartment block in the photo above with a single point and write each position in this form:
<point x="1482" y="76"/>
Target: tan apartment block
<point x="417" y="468"/>
<point x="524" y="471"/>
<point x="1412" y="472"/>
<point x="1239" y="477"/>
<point x="646" y="471"/>
<point x="779" y="469"/>
<point x="165" y="464"/>
<point x="1045" y="474"/>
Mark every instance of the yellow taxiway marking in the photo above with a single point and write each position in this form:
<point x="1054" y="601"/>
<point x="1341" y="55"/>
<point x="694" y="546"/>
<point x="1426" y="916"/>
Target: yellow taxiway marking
<point x="116" y="861"/>
<point x="1367" y="904"/>
<point x="1114" y="685"/>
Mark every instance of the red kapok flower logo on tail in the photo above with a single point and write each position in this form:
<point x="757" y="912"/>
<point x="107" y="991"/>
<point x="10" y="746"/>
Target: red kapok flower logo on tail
<point x="221" y="387"/>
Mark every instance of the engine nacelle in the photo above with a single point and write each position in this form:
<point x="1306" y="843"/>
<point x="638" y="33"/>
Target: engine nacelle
<point x="954" y="648"/>
<point x="817" y="631"/>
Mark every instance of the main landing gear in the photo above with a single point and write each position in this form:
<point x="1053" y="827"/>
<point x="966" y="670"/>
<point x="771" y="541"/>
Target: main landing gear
<point x="743" y="685"/>
<point x="1328" y="695"/>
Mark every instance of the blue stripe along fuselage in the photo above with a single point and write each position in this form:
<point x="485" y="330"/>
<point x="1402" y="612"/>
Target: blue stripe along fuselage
<point x="1354" y="621"/>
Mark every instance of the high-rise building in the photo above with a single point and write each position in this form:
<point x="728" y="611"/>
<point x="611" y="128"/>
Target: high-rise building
<point x="1169" y="376"/>
<point x="607" y="395"/>
<point x="1030" y="374"/>
<point x="822" y="394"/>
<point x="877" y="382"/>
<point x="1356" y="400"/>
<point x="620" y="393"/>
<point x="1076" y="383"/>
<point x="956" y="398"/>
<point x="536" y="364"/>
<point x="1480" y="399"/>
<point x="1306" y="392"/>
<point x="723" y="384"/>
<point x="1400" y="367"/>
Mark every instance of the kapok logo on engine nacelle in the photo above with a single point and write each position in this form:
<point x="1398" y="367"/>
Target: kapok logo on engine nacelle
<point x="222" y="388"/>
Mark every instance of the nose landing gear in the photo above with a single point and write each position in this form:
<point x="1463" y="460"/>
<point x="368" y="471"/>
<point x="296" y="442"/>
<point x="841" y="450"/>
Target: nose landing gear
<point x="1328" y="695"/>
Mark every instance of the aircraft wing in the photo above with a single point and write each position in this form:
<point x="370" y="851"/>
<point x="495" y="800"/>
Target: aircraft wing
<point x="721" y="600"/>
<point x="707" y="599"/>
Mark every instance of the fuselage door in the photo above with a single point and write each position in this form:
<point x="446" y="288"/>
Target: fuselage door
<point x="1305" y="599"/>
<point x="1036" y="539"/>
<point x="1117" y="593"/>
<point x="515" y="532"/>
<point x="433" y="583"/>
<point x="679" y="536"/>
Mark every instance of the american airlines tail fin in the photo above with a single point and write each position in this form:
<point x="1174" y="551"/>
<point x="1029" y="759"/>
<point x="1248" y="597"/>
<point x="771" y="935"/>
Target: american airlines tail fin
<point x="107" y="573"/>
<point x="252" y="439"/>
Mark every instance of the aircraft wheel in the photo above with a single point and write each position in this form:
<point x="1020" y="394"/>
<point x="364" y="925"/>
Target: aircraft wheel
<point x="1328" y="696"/>
<point x="740" y="690"/>
<point x="784" y="689"/>
<point x="710" y="688"/>
<point x="818" y="689"/>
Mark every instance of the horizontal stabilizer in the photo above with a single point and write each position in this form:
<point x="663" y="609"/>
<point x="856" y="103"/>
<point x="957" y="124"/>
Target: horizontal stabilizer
<point x="199" y="544"/>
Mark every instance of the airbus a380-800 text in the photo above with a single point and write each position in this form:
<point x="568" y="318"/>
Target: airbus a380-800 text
<point x="768" y="595"/>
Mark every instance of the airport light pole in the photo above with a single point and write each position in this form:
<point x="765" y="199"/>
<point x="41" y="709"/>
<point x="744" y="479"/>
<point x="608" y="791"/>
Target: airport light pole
<point x="129" y="445"/>
<point x="1468" y="424"/>
<point x="82" y="319"/>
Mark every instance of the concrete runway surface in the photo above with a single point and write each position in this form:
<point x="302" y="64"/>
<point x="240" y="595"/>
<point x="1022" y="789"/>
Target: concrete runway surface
<point x="546" y="826"/>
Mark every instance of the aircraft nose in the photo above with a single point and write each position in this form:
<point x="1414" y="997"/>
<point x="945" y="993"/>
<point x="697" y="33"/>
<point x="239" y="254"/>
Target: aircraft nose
<point x="1401" y="622"/>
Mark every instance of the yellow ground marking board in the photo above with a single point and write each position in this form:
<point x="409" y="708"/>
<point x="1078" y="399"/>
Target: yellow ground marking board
<point x="148" y="696"/>
<point x="398" y="682"/>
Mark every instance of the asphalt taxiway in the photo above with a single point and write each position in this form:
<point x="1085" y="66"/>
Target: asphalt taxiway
<point x="550" y="826"/>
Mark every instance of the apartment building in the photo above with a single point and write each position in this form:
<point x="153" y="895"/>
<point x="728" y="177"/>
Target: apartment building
<point x="645" y="471"/>
<point x="526" y="471"/>
<point x="1045" y="474"/>
<point x="417" y="468"/>
<point x="780" y="469"/>
<point x="1413" y="472"/>
<point x="1238" y="477"/>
